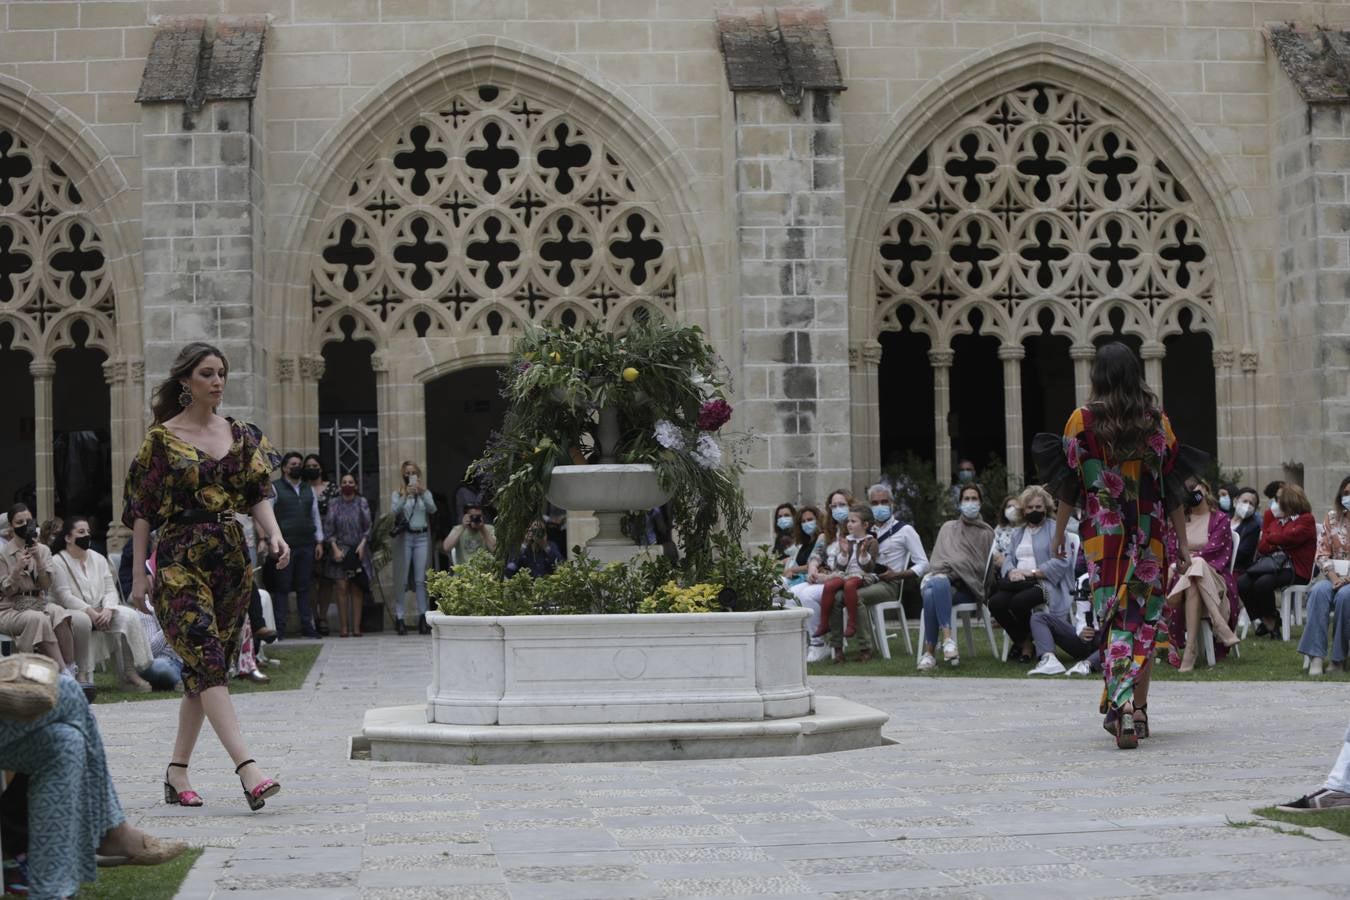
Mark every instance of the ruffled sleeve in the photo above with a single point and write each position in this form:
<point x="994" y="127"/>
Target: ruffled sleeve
<point x="1058" y="457"/>
<point x="260" y="459"/>
<point x="146" y="494"/>
<point x="1179" y="462"/>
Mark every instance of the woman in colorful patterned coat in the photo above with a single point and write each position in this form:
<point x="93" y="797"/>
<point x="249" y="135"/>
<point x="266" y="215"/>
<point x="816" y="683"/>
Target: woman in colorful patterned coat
<point x="1119" y="460"/>
<point x="194" y="471"/>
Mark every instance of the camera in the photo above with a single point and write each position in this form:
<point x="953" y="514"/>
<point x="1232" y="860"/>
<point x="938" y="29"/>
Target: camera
<point x="476" y="520"/>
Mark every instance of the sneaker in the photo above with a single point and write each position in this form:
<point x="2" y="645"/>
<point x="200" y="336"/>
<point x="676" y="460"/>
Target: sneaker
<point x="927" y="663"/>
<point x="1080" y="668"/>
<point x="1315" y="667"/>
<point x="817" y="653"/>
<point x="1321" y="799"/>
<point x="1049" y="665"/>
<point x="949" y="651"/>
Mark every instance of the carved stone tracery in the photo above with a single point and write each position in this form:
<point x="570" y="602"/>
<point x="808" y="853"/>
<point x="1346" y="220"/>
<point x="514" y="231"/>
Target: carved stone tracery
<point x="493" y="210"/>
<point x="1042" y="199"/>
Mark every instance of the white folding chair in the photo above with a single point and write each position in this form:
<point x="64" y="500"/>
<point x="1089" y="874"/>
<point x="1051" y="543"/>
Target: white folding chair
<point x="1292" y="601"/>
<point x="878" y="611"/>
<point x="1072" y="543"/>
<point x="966" y="612"/>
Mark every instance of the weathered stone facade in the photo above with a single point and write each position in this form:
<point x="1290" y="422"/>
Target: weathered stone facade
<point x="769" y="204"/>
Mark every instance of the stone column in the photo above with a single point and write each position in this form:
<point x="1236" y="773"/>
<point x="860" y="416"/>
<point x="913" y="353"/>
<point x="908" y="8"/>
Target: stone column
<point x="1153" y="353"/>
<point x="386" y="402"/>
<point x="1012" y="355"/>
<point x="1224" y="400"/>
<point x="42" y="371"/>
<point x="941" y="361"/>
<point x="311" y="373"/>
<point x="1082" y="357"/>
<point x="864" y="357"/>
<point x="1253" y="447"/>
<point x="285" y="431"/>
<point x="115" y="374"/>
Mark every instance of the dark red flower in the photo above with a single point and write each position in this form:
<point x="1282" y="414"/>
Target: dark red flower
<point x="713" y="415"/>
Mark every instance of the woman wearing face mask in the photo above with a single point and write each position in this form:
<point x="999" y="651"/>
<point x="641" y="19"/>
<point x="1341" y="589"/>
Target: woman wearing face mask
<point x="1332" y="590"/>
<point x="1207" y="590"/>
<point x="1030" y="576"/>
<point x="311" y="472"/>
<point x="803" y="542"/>
<point x="1287" y="549"/>
<point x="808" y="593"/>
<point x="346" y="530"/>
<point x="958" y="571"/>
<point x="1225" y="498"/>
<point x="1246" y="528"/>
<point x="1120" y="460"/>
<point x="413" y="504"/>
<point x="1009" y="520"/>
<point x="82" y="581"/>
<point x="37" y="625"/>
<point x="784" y="518"/>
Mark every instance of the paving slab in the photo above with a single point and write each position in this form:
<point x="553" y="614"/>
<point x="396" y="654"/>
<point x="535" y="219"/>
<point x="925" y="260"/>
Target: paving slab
<point x="992" y="788"/>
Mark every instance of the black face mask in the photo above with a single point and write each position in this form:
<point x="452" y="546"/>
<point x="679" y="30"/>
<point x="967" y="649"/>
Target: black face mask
<point x="312" y="474"/>
<point x="26" y="532"/>
<point x="84" y="541"/>
<point x="1035" y="517"/>
<point x="1195" y="499"/>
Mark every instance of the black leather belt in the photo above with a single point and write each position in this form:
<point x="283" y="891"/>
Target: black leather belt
<point x="203" y="517"/>
<point x="417" y="531"/>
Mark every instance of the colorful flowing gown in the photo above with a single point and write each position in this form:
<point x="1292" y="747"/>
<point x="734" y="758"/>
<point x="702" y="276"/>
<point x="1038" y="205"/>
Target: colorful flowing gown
<point x="1125" y="504"/>
<point x="203" y="579"/>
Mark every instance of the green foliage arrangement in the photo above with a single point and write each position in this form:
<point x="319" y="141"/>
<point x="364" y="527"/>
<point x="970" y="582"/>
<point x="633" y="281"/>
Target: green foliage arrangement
<point x="667" y="387"/>
<point x="741" y="581"/>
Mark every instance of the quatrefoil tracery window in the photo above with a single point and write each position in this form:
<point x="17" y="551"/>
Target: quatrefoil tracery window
<point x="52" y="259"/>
<point x="492" y="211"/>
<point x="1043" y="195"/>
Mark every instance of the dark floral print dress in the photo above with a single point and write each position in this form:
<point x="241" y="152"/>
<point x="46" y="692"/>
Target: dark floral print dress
<point x="203" y="578"/>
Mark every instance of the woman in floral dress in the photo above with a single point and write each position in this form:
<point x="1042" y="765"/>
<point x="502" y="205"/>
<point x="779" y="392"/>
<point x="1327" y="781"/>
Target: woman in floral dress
<point x="194" y="471"/>
<point x="346" y="529"/>
<point x="1120" y="462"/>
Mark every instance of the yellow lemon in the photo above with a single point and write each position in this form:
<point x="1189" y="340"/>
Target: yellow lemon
<point x="630" y="374"/>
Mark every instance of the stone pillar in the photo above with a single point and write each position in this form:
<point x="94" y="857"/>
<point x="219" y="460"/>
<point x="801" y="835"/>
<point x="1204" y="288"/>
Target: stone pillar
<point x="386" y="402"/>
<point x="42" y="371"/>
<point x="307" y="407"/>
<point x="1253" y="445"/>
<point x="115" y="374"/>
<point x="864" y="357"/>
<point x="285" y="398"/>
<point x="1153" y="353"/>
<point x="1012" y="355"/>
<point x="1224" y="399"/>
<point x="941" y="361"/>
<point x="1082" y="357"/>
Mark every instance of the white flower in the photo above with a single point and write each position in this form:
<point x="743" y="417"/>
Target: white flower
<point x="668" y="435"/>
<point x="707" y="453"/>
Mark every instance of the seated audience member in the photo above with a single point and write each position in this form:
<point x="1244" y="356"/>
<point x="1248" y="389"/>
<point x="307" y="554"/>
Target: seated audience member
<point x="1208" y="589"/>
<point x="73" y="809"/>
<point x="1334" y="793"/>
<point x="1247" y="525"/>
<point x="165" y="672"/>
<point x="900" y="555"/>
<point x="784" y="517"/>
<point x="850" y="562"/>
<point x="965" y="475"/>
<point x="1009" y="520"/>
<point x="1332" y="590"/>
<point x="246" y="662"/>
<point x="958" y="569"/>
<point x="1077" y="638"/>
<point x="808" y="593"/>
<point x="804" y="536"/>
<point x="1225" y="498"/>
<point x="1287" y="547"/>
<point x="26" y="614"/>
<point x="1030" y="575"/>
<point x="538" y="555"/>
<point x="82" y="581"/>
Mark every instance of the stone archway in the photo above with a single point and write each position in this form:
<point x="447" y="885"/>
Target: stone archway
<point x="1040" y="191"/>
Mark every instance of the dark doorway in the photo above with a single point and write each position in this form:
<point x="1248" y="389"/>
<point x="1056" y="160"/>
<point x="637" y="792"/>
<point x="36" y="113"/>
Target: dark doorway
<point x="1047" y="390"/>
<point x="463" y="409"/>
<point x="905" y="397"/>
<point x="976" y="422"/>
<point x="81" y="434"/>
<point x="1189" y="395"/>
<point x="18" y="466"/>
<point x="348" y="415"/>
<point x="1117" y="319"/>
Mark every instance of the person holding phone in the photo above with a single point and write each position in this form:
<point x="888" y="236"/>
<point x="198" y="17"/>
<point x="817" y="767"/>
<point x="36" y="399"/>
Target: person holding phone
<point x="412" y="506"/>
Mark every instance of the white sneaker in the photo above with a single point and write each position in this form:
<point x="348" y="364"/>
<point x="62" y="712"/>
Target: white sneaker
<point x="1315" y="667"/>
<point x="1049" y="665"/>
<point x="949" y="651"/>
<point x="817" y="652"/>
<point x="927" y="663"/>
<point x="1080" y="668"/>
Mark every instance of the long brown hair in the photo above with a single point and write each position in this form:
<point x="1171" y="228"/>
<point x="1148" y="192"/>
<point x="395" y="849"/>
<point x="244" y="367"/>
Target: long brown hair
<point x="1124" y="409"/>
<point x="829" y="527"/>
<point x="164" y="401"/>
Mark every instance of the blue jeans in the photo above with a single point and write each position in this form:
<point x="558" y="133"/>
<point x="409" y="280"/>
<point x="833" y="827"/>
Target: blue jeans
<point x="1316" y="623"/>
<point x="298" y="576"/>
<point x="162" y="673"/>
<point x="413" y="566"/>
<point x="937" y="605"/>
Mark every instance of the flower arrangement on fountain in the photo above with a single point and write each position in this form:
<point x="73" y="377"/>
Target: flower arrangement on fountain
<point x="654" y="395"/>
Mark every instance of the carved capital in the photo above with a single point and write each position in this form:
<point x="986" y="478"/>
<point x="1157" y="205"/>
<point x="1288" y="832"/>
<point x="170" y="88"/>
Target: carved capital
<point x="941" y="358"/>
<point x="1248" y="360"/>
<point x="285" y="368"/>
<point x="1223" y="358"/>
<point x="1078" y="351"/>
<point x="42" y="368"/>
<point x="379" y="362"/>
<point x="136" y="369"/>
<point x="311" y="368"/>
<point x="1012" y="351"/>
<point x="114" y="371"/>
<point x="871" y="352"/>
<point x="1152" y="350"/>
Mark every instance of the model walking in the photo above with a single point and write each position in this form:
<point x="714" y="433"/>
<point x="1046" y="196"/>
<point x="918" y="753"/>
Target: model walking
<point x="193" y="472"/>
<point x="1120" y="462"/>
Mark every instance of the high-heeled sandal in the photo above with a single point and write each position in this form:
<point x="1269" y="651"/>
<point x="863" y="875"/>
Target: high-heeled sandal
<point x="257" y="798"/>
<point x="1127" y="737"/>
<point x="175" y="797"/>
<point x="1141" y="720"/>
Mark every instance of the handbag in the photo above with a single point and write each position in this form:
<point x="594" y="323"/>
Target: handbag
<point x="1272" y="564"/>
<point x="28" y="686"/>
<point x="400" y="520"/>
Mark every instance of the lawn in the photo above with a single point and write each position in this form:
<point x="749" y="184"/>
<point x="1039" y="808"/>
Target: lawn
<point x="1331" y="819"/>
<point x="1262" y="660"/>
<point x="296" y="661"/>
<point x="139" y="882"/>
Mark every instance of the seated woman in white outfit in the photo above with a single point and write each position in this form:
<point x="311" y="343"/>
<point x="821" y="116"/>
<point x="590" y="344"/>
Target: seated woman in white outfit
<point x="82" y="581"/>
<point x="808" y="593"/>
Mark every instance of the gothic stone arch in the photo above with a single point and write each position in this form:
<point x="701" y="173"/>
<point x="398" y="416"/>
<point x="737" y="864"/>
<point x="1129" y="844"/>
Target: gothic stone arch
<point x="1042" y="179"/>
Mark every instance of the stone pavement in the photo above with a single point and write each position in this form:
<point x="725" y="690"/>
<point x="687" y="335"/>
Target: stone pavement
<point x="993" y="788"/>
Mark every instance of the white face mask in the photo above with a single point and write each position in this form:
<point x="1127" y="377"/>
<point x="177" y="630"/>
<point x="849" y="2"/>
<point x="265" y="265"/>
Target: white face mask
<point x="1345" y="502"/>
<point x="971" y="509"/>
<point x="1012" y="514"/>
<point x="1243" y="509"/>
<point x="1275" y="509"/>
<point x="1225" y="503"/>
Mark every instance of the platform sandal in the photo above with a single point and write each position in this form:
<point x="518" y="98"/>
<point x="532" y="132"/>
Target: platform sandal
<point x="257" y="798"/>
<point x="175" y="797"/>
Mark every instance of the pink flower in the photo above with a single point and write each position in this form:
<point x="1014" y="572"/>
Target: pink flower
<point x="1114" y="484"/>
<point x="1106" y="518"/>
<point x="1147" y="633"/>
<point x="713" y="415"/>
<point x="1118" y="650"/>
<point x="1157" y="442"/>
<point x="1072" y="452"/>
<point x="1147" y="570"/>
